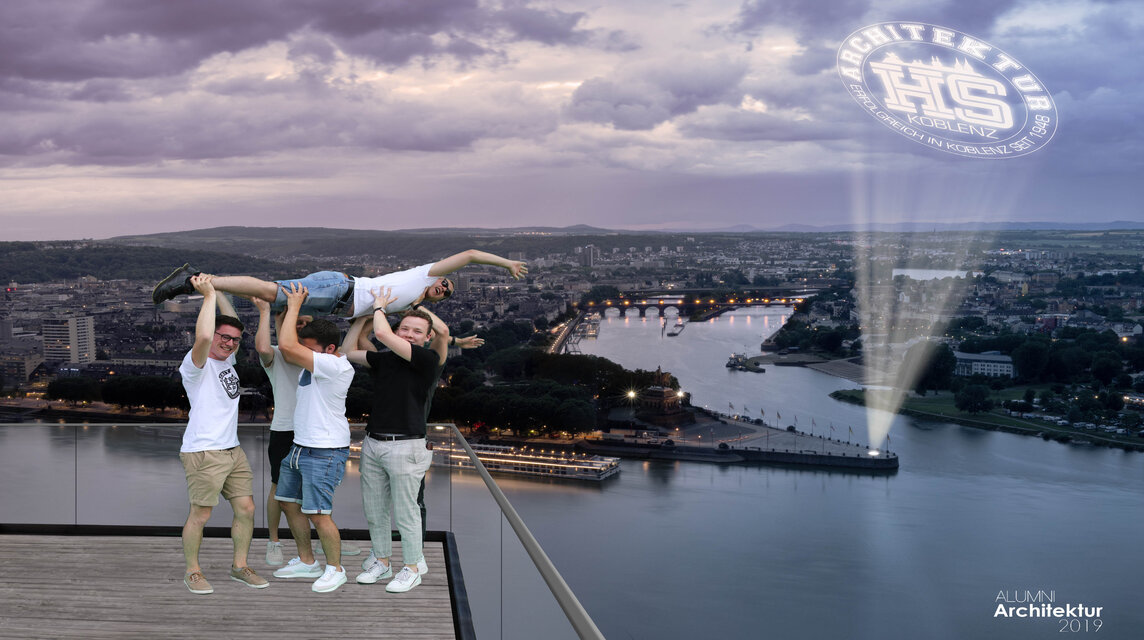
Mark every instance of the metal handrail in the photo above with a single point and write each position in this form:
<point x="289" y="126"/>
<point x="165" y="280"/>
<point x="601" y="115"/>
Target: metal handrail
<point x="572" y="608"/>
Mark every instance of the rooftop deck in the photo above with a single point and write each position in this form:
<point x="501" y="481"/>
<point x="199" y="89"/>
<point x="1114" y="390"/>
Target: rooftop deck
<point x="131" y="586"/>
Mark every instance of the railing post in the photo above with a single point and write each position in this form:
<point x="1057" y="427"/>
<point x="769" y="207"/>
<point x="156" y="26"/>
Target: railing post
<point x="572" y="608"/>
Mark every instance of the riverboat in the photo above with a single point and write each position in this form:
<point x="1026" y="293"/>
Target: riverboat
<point x="528" y="461"/>
<point x="677" y="329"/>
<point x="740" y="362"/>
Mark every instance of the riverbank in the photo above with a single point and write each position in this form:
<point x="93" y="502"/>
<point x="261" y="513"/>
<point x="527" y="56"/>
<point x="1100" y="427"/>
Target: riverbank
<point x="991" y="421"/>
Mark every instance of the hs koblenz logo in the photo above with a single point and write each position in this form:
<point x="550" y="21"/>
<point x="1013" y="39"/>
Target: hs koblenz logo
<point x="947" y="90"/>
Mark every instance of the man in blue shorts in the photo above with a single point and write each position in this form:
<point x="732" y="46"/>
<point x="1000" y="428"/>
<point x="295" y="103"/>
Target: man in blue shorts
<point x="316" y="463"/>
<point x="334" y="293"/>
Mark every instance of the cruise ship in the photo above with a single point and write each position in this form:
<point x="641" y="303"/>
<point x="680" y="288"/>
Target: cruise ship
<point x="527" y="461"/>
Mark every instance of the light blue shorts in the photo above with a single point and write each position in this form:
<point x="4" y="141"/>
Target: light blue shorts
<point x="309" y="476"/>
<point x="326" y="289"/>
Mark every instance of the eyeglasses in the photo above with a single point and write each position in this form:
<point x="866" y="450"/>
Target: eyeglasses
<point x="448" y="287"/>
<point x="225" y="338"/>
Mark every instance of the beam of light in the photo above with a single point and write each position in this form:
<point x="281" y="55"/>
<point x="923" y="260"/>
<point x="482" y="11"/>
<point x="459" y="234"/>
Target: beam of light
<point x="897" y="314"/>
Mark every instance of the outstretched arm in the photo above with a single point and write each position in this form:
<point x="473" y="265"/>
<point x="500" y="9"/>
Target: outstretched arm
<point x="473" y="256"/>
<point x="294" y="351"/>
<point x="262" y="336"/>
<point x="205" y="324"/>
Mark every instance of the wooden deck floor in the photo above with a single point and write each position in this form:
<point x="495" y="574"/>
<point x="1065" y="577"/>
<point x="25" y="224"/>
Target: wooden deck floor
<point x="67" y="586"/>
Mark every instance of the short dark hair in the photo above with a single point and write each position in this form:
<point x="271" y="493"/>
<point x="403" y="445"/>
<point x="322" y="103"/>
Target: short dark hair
<point x="229" y="320"/>
<point x="321" y="330"/>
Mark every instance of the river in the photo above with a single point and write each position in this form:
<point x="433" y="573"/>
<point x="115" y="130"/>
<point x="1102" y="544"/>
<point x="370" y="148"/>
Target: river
<point x="668" y="550"/>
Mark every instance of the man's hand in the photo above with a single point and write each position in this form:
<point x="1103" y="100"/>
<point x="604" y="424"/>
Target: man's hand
<point x="295" y="296"/>
<point x="202" y="283"/>
<point x="382" y="297"/>
<point x="517" y="269"/>
<point x="470" y="342"/>
<point x="262" y="305"/>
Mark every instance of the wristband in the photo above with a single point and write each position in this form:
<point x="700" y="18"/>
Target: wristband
<point x="381" y="309"/>
<point x="452" y="340"/>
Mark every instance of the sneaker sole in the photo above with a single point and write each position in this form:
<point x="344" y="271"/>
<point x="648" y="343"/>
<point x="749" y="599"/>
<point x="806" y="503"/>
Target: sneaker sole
<point x="387" y="574"/>
<point x="328" y="589"/>
<point x="400" y="590"/>
<point x="199" y="592"/>
<point x="310" y="574"/>
<point x="252" y="586"/>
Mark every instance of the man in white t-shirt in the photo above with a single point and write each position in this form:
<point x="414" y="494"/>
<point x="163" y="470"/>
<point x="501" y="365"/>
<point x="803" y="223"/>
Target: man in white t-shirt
<point x="284" y="385"/>
<point x="316" y="463"/>
<point x="210" y="454"/>
<point x="336" y="293"/>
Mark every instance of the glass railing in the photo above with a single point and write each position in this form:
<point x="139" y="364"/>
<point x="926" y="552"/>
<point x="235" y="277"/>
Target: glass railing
<point x="130" y="475"/>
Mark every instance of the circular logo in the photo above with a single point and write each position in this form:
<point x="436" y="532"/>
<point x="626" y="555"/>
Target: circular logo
<point x="947" y="90"/>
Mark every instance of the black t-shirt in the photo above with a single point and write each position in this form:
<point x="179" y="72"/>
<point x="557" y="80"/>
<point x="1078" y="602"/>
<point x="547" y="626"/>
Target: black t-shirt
<point x="401" y="390"/>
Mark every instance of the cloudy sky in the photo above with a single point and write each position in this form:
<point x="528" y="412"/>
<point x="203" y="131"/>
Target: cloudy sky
<point x="137" y="116"/>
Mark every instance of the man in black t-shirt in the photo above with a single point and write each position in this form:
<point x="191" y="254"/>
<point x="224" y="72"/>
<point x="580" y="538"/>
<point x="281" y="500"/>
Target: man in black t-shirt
<point x="394" y="457"/>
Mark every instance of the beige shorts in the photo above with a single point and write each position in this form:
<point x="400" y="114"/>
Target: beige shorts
<point x="223" y="471"/>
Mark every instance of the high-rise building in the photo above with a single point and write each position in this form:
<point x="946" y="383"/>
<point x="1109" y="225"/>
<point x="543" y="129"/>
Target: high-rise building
<point x="69" y="339"/>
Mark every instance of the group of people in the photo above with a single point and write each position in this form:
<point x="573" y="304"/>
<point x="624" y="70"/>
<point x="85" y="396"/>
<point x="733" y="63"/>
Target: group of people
<point x="310" y="371"/>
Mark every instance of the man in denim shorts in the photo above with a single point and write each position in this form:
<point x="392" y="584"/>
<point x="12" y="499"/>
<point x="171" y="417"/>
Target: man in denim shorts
<point x="316" y="463"/>
<point x="334" y="293"/>
<point x="211" y="457"/>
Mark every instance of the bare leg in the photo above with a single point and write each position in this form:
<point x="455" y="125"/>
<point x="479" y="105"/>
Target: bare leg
<point x="246" y="286"/>
<point x="193" y="535"/>
<point x="331" y="539"/>
<point x="273" y="513"/>
<point x="242" y="528"/>
<point x="300" y="529"/>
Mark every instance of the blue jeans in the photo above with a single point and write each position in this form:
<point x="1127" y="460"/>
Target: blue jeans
<point x="325" y="288"/>
<point x="310" y="475"/>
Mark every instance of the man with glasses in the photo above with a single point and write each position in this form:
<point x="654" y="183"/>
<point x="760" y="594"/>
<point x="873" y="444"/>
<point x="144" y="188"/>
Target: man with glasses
<point x="211" y="457"/>
<point x="336" y="293"/>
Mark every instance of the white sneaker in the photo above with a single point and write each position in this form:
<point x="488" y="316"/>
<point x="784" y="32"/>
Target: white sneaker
<point x="404" y="581"/>
<point x="330" y="580"/>
<point x="370" y="559"/>
<point x="374" y="572"/>
<point x="422" y="568"/>
<point x="296" y="569"/>
<point x="273" y="553"/>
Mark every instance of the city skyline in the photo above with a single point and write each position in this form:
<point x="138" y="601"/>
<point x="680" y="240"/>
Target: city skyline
<point x="125" y="117"/>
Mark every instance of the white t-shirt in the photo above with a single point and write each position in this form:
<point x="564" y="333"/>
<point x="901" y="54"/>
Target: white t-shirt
<point x="213" y="392"/>
<point x="284" y="383"/>
<point x="407" y="285"/>
<point x="320" y="415"/>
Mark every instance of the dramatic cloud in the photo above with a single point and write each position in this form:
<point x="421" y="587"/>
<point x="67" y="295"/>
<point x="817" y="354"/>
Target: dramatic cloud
<point x="505" y="110"/>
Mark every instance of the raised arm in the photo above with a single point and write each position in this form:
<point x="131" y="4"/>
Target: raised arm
<point x="473" y="256"/>
<point x="351" y="345"/>
<point x="381" y="329"/>
<point x="294" y="351"/>
<point x="225" y="307"/>
<point x="262" y="336"/>
<point x="440" y="341"/>
<point x="205" y="324"/>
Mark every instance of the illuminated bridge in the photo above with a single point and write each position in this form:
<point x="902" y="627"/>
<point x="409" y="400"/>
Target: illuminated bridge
<point x="691" y="302"/>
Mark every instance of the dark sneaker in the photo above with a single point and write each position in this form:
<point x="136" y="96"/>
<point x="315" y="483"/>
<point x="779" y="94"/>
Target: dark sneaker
<point x="178" y="283"/>
<point x="197" y="583"/>
<point x="248" y="577"/>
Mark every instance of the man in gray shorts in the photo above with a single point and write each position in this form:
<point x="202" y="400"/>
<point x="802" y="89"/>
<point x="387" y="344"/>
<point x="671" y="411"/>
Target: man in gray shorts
<point x="210" y="454"/>
<point x="334" y="293"/>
